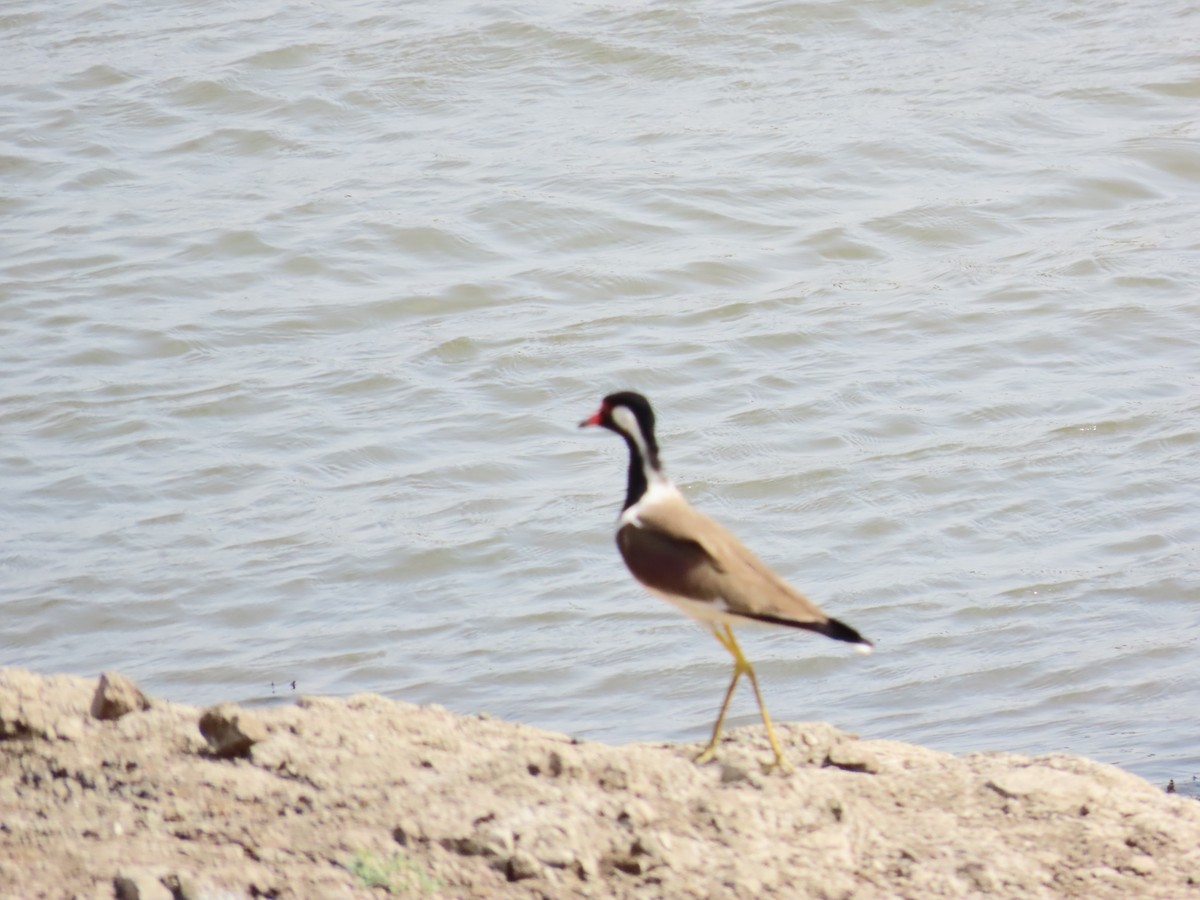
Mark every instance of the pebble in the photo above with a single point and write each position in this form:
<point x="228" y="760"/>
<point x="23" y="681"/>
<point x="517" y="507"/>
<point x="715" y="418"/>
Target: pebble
<point x="116" y="695"/>
<point x="231" y="731"/>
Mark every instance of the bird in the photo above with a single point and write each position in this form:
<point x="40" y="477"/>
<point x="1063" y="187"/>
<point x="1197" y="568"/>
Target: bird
<point x="682" y="556"/>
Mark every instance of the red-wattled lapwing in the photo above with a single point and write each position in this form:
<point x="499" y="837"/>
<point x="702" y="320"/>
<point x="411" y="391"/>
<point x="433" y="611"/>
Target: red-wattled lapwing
<point x="688" y="559"/>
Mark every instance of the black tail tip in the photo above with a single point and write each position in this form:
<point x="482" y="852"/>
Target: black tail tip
<point x="840" y="631"/>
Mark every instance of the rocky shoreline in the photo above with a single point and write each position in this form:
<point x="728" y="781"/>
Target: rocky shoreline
<point x="105" y="793"/>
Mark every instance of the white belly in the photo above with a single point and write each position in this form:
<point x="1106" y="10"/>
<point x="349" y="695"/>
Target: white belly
<point x="713" y="612"/>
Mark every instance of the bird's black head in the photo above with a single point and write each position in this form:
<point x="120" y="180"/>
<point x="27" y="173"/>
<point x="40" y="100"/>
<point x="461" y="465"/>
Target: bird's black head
<point x="627" y="413"/>
<point x="630" y="415"/>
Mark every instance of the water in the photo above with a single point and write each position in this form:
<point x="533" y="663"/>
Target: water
<point x="300" y="305"/>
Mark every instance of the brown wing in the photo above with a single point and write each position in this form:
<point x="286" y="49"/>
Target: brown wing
<point x="683" y="552"/>
<point x="676" y="566"/>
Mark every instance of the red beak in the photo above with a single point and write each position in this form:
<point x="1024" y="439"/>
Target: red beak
<point x="593" y="419"/>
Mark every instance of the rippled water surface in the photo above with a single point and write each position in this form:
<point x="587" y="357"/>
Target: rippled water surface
<point x="300" y="305"/>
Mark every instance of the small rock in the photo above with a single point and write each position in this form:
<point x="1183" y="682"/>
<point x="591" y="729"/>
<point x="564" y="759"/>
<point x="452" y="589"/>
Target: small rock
<point x="69" y="728"/>
<point x="852" y="757"/>
<point x="647" y="844"/>
<point x="187" y="887"/>
<point x="979" y="877"/>
<point x="1045" y="787"/>
<point x="1143" y="865"/>
<point x="30" y="704"/>
<point x="731" y="774"/>
<point x="563" y="762"/>
<point x="1104" y="873"/>
<point x="521" y="865"/>
<point x="636" y="812"/>
<point x="403" y="833"/>
<point x="230" y="730"/>
<point x="117" y="695"/>
<point x="613" y="778"/>
<point x="494" y="842"/>
<point x="135" y="884"/>
<point x="630" y="865"/>
<point x="586" y="868"/>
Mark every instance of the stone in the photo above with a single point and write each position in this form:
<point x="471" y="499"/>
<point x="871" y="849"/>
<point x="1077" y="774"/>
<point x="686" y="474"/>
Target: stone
<point x="69" y="728"/>
<point x="31" y="704"/>
<point x="522" y="865"/>
<point x="116" y="695"/>
<point x="851" y="756"/>
<point x="136" y="884"/>
<point x="231" y="731"/>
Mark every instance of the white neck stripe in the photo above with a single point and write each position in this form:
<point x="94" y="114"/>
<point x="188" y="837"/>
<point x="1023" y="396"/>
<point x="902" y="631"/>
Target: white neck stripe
<point x="628" y="423"/>
<point x="624" y="418"/>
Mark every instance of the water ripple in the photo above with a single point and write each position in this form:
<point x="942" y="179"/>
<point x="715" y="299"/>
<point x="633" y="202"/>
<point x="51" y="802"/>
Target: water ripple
<point x="300" y="314"/>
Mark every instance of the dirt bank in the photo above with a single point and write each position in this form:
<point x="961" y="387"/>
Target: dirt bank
<point x="104" y="793"/>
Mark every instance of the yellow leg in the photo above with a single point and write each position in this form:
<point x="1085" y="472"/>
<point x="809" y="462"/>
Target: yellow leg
<point x="741" y="665"/>
<point x="710" y="751"/>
